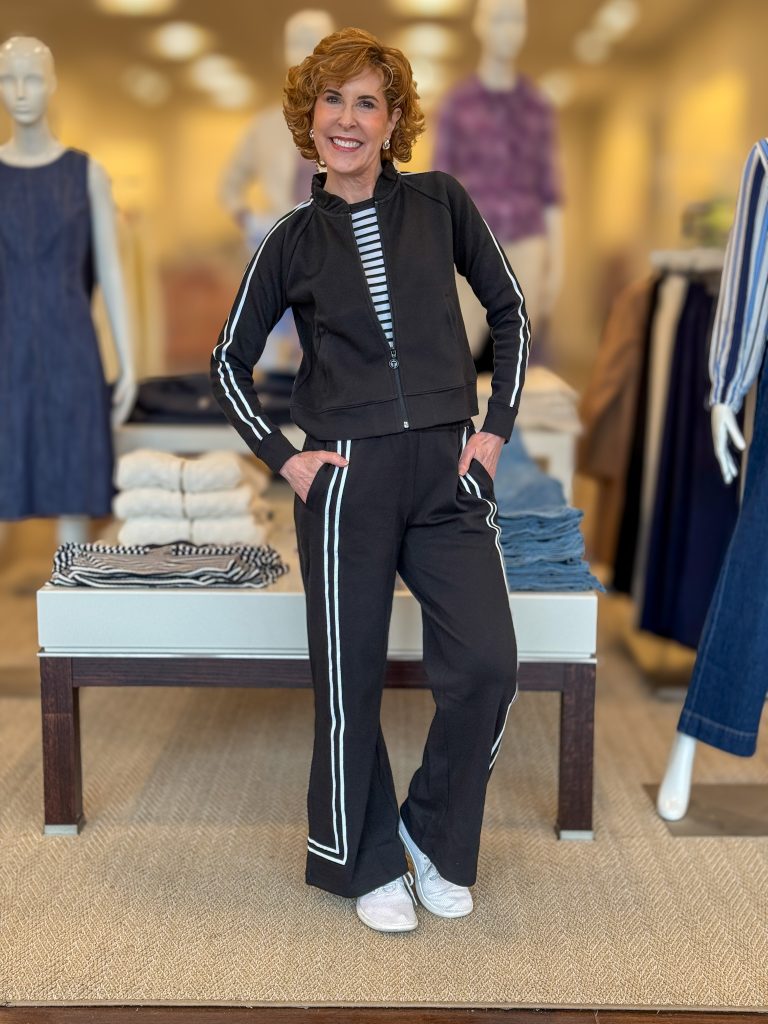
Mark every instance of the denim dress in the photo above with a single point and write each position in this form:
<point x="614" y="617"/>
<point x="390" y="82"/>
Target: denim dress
<point x="55" y="434"/>
<point x="727" y="692"/>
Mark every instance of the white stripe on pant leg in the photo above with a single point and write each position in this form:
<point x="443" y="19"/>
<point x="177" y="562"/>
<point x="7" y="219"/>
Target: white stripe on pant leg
<point x="489" y="519"/>
<point x="331" y="678"/>
<point x="338" y="808"/>
<point x="497" y="743"/>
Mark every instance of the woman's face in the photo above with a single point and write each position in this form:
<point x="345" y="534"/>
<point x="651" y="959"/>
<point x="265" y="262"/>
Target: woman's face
<point x="350" y="123"/>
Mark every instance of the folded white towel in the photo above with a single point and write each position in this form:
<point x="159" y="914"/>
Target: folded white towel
<point x="234" y="501"/>
<point x="147" y="468"/>
<point x="148" y="501"/>
<point x="231" y="530"/>
<point x="154" y="530"/>
<point x="214" y="471"/>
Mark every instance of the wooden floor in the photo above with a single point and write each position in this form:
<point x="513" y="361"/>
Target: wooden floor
<point x="349" y="1015"/>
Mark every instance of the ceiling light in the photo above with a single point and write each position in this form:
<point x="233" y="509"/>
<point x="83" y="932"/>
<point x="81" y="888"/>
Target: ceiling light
<point x="238" y="92"/>
<point x="591" y="46"/>
<point x="136" y="7"/>
<point x="180" y="40"/>
<point x="431" y="8"/>
<point x="146" y="85"/>
<point x="430" y="79"/>
<point x="617" y="17"/>
<point x="558" y="86"/>
<point x="428" y="39"/>
<point x="213" y="71"/>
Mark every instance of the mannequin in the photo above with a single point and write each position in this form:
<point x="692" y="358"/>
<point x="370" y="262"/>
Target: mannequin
<point x="267" y="154"/>
<point x="32" y="163"/>
<point x="727" y="691"/>
<point x="513" y="178"/>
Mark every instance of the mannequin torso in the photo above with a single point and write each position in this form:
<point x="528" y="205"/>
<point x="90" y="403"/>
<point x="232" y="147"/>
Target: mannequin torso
<point x="496" y="134"/>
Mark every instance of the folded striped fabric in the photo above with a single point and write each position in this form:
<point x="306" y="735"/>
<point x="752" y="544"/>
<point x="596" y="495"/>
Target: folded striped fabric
<point x="166" y="565"/>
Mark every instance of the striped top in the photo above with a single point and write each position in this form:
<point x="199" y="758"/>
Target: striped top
<point x="365" y="224"/>
<point x="741" y="319"/>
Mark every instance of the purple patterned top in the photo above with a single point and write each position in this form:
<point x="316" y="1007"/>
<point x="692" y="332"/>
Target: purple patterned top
<point x="502" y="146"/>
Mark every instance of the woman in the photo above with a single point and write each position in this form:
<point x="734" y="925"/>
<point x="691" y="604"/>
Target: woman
<point x="392" y="477"/>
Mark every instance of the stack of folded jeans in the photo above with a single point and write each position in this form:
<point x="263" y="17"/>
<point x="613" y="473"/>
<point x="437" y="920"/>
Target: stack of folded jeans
<point x="540" y="534"/>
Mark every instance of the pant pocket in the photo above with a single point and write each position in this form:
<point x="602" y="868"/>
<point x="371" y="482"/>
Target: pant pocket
<point x="319" y="485"/>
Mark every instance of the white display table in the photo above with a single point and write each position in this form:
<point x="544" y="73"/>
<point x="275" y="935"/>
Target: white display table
<point x="233" y="637"/>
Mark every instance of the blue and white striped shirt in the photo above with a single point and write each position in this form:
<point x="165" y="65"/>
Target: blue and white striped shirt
<point x="741" y="320"/>
<point x="365" y="224"/>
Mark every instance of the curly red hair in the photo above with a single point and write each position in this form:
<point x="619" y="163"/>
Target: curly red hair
<point x="337" y="58"/>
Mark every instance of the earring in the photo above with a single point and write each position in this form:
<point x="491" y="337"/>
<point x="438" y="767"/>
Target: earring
<point x="385" y="144"/>
<point x="311" y="133"/>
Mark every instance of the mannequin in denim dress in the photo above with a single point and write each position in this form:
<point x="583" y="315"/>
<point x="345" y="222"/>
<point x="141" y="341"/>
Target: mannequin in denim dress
<point x="57" y="233"/>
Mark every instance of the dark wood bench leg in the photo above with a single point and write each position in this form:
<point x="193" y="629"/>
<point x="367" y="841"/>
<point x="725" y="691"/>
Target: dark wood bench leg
<point x="62" y="771"/>
<point x="577" y="718"/>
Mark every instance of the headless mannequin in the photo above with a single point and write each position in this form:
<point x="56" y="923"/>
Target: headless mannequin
<point x="675" y="790"/>
<point x="501" y="27"/>
<point x="267" y="154"/>
<point x="27" y="82"/>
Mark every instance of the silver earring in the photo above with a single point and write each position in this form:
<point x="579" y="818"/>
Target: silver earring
<point x="385" y="144"/>
<point x="311" y="133"/>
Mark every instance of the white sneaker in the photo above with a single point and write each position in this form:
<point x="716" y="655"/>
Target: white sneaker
<point x="437" y="894"/>
<point x="391" y="907"/>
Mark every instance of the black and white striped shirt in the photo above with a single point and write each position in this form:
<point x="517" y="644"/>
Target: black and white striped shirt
<point x="365" y="224"/>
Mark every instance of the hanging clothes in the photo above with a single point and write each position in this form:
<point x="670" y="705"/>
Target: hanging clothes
<point x="694" y="512"/>
<point x="626" y="545"/>
<point x="607" y="410"/>
<point x="55" y="431"/>
<point x="663" y="341"/>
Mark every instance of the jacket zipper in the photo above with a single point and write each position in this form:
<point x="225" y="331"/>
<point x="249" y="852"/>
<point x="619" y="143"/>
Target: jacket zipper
<point x="394" y="362"/>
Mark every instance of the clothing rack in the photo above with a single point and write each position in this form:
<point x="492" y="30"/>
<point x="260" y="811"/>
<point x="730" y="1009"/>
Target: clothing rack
<point x="700" y="260"/>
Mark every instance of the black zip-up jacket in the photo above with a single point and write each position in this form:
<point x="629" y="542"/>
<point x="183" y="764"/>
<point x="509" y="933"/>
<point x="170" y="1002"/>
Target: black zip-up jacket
<point x="348" y="384"/>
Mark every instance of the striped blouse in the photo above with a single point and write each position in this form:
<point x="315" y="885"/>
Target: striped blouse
<point x="741" y="320"/>
<point x="365" y="224"/>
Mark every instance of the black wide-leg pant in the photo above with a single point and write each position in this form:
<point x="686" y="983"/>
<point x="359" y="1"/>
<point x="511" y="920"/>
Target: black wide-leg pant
<point x="401" y="506"/>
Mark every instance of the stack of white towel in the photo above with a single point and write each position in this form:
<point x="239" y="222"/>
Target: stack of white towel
<point x="214" y="499"/>
<point x="546" y="403"/>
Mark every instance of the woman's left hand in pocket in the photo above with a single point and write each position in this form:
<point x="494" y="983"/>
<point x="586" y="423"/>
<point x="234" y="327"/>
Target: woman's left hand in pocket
<point x="484" y="447"/>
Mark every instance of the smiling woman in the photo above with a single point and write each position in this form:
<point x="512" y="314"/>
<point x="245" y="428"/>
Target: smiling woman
<point x="393" y="476"/>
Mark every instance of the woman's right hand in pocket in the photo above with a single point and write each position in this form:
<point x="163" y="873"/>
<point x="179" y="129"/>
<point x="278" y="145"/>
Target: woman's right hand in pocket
<point x="300" y="470"/>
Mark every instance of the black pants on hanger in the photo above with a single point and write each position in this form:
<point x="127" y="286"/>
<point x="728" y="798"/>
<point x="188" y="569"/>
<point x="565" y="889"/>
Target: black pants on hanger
<point x="400" y="506"/>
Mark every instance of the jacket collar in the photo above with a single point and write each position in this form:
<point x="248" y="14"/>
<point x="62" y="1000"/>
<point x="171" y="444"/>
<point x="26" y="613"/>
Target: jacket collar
<point x="386" y="184"/>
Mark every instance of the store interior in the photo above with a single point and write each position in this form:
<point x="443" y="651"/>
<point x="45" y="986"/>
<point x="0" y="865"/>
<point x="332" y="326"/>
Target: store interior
<point x="185" y="886"/>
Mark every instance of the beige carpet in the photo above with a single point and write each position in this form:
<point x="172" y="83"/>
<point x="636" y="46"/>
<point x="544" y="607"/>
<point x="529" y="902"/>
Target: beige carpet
<point x="187" y="883"/>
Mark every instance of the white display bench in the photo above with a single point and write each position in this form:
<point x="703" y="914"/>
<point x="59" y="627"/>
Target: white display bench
<point x="230" y="637"/>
